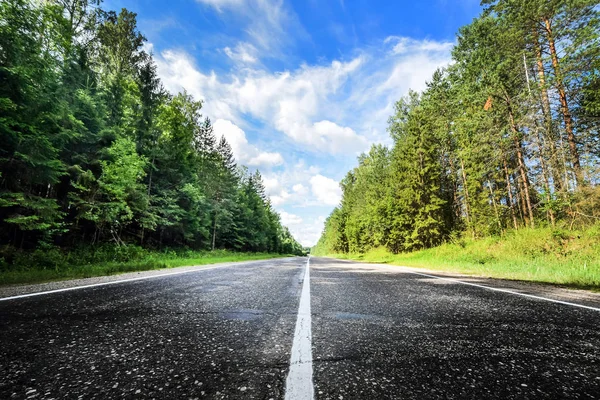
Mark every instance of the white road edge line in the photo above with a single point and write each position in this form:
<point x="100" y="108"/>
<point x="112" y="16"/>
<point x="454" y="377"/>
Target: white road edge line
<point x="495" y="289"/>
<point x="299" y="383"/>
<point x="21" y="296"/>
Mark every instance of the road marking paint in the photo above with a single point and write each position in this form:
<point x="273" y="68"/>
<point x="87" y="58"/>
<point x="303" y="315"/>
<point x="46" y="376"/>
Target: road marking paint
<point x="508" y="291"/>
<point x="532" y="296"/>
<point x="299" y="384"/>
<point x="21" y="296"/>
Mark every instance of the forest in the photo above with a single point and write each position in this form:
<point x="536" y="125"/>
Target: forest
<point x="505" y="138"/>
<point x="96" y="154"/>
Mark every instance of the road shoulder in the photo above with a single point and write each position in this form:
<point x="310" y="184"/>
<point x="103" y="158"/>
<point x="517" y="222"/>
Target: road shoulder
<point x="553" y="292"/>
<point x="27" y="289"/>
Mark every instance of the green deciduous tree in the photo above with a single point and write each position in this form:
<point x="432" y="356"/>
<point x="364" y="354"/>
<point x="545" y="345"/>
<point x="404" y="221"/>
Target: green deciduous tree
<point x="94" y="150"/>
<point x="505" y="138"/>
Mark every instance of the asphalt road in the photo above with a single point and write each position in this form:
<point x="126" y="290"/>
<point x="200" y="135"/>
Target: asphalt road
<point x="243" y="331"/>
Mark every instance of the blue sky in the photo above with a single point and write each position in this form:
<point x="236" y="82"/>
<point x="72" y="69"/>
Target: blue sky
<point x="299" y="88"/>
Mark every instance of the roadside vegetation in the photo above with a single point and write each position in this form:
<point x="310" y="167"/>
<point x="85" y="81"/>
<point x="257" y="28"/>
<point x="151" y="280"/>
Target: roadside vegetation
<point x="98" y="161"/>
<point x="561" y="257"/>
<point x="494" y="166"/>
<point x="52" y="264"/>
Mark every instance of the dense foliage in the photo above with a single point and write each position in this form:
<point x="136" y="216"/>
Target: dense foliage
<point x="94" y="150"/>
<point x="505" y="137"/>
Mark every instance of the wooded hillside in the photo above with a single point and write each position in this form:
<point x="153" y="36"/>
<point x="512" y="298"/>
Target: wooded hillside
<point x="506" y="137"/>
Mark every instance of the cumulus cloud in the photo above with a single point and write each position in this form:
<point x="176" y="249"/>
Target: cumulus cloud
<point x="300" y="189"/>
<point x="337" y="138"/>
<point x="280" y="198"/>
<point x="243" y="151"/>
<point x="326" y="190"/>
<point x="327" y="112"/>
<point x="309" y="231"/>
<point x="288" y="102"/>
<point x="412" y="72"/>
<point x="289" y="220"/>
<point x="271" y="185"/>
<point x="340" y="107"/>
<point x="290" y="185"/>
<point x="274" y="189"/>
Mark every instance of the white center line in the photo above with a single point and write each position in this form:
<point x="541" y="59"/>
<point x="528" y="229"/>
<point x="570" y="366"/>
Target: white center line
<point x="299" y="384"/>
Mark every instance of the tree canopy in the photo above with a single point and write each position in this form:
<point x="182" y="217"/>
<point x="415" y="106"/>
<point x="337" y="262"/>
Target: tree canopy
<point x="505" y="137"/>
<point x="95" y="150"/>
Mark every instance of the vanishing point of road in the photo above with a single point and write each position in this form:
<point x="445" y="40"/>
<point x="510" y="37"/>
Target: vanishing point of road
<point x="296" y="328"/>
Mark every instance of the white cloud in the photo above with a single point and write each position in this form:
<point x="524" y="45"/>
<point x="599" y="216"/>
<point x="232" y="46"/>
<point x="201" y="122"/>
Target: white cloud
<point x="268" y="24"/>
<point x="309" y="231"/>
<point x="280" y="198"/>
<point x="404" y="45"/>
<point x="290" y="185"/>
<point x="323" y="113"/>
<point x="300" y="189"/>
<point x="412" y="73"/>
<point x="337" y="108"/>
<point x="243" y="53"/>
<point x="271" y="185"/>
<point x="288" y="102"/>
<point x="178" y="72"/>
<point x="274" y="189"/>
<point x="326" y="190"/>
<point x="265" y="158"/>
<point x="339" y="139"/>
<point x="219" y="5"/>
<point x="288" y="219"/>
<point x="243" y="151"/>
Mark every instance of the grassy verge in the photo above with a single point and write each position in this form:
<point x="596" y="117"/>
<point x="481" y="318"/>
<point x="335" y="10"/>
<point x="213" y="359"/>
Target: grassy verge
<point x="561" y="257"/>
<point x="149" y="261"/>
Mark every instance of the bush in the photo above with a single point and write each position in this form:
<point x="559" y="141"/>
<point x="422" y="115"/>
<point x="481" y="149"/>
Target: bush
<point x="549" y="255"/>
<point x="52" y="263"/>
<point x="51" y="257"/>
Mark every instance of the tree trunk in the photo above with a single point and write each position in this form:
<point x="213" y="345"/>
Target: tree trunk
<point x="523" y="173"/>
<point x="547" y="113"/>
<point x="456" y="206"/>
<point x="564" y="104"/>
<point x="521" y="199"/>
<point x="464" y="176"/>
<point x="521" y="164"/>
<point x="510" y="196"/>
<point x="544" y="173"/>
<point x="495" y="207"/>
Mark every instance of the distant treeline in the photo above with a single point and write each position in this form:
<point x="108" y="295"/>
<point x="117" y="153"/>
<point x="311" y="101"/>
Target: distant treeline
<point x="93" y="150"/>
<point x="506" y="137"/>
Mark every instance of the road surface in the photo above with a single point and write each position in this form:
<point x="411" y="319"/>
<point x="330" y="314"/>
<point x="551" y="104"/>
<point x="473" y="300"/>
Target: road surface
<point x="276" y="329"/>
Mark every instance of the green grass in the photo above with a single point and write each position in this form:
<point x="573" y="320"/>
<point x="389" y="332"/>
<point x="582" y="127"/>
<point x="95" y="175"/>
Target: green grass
<point x="554" y="256"/>
<point x="148" y="261"/>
